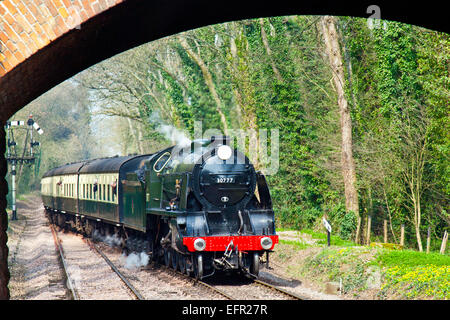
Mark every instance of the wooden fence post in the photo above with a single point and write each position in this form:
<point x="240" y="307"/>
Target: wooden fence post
<point x="428" y="239"/>
<point x="402" y="235"/>
<point x="385" y="231"/>
<point x="444" y="242"/>
<point x="369" y="222"/>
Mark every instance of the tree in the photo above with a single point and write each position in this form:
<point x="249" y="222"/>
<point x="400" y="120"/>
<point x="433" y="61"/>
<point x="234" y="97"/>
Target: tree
<point x="332" y="47"/>
<point x="195" y="56"/>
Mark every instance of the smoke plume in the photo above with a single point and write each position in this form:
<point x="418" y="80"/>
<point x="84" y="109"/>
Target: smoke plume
<point x="170" y="132"/>
<point x="135" y="260"/>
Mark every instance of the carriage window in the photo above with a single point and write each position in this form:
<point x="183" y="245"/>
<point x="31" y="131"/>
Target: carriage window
<point x="161" y="162"/>
<point x="109" y="192"/>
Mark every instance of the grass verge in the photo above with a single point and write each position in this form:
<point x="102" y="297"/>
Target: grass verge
<point x="370" y="272"/>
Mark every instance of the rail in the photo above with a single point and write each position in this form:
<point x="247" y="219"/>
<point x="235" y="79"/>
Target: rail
<point x="127" y="283"/>
<point x="59" y="248"/>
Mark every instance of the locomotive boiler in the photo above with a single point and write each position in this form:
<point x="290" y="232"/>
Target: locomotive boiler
<point x="197" y="208"/>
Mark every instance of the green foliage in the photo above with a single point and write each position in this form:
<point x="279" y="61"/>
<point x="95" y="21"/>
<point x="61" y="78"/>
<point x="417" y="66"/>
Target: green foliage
<point x="415" y="275"/>
<point x="338" y="265"/>
<point x="297" y="244"/>
<point x="63" y="113"/>
<point x="412" y="258"/>
<point x="348" y="226"/>
<point x="334" y="240"/>
<point x="395" y="274"/>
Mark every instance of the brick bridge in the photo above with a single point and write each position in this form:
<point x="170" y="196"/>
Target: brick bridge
<point x="44" y="42"/>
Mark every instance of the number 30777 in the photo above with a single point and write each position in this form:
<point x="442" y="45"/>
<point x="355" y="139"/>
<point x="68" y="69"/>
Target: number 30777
<point x="225" y="180"/>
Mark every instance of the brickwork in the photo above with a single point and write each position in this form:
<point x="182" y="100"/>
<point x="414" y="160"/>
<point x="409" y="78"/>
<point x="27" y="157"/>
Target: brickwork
<point x="27" y="26"/>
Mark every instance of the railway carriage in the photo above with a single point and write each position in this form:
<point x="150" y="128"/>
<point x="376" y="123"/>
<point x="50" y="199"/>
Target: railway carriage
<point x="198" y="209"/>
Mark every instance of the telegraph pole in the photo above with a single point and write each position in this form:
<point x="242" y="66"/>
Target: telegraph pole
<point x="27" y="156"/>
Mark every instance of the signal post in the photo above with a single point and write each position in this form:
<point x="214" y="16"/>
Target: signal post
<point x="27" y="156"/>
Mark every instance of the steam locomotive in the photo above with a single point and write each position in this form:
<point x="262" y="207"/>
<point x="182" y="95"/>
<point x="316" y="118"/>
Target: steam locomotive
<point x="197" y="208"/>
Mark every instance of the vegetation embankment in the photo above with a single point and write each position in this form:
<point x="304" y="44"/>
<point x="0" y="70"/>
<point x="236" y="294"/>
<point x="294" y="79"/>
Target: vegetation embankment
<point x="363" y="272"/>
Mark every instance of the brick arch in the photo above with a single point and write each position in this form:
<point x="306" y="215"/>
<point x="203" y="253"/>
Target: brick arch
<point x="44" y="42"/>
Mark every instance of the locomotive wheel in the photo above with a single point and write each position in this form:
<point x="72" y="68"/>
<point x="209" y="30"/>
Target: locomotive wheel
<point x="174" y="259"/>
<point x="254" y="267"/>
<point x="182" y="263"/>
<point x="198" y="267"/>
<point x="167" y="257"/>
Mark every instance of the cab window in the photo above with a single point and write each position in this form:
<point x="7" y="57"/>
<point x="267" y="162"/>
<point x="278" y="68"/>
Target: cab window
<point x="161" y="162"/>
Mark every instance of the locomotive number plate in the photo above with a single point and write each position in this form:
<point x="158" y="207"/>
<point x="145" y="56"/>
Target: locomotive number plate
<point x="225" y="180"/>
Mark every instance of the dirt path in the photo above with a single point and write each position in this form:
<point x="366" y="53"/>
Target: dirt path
<point x="33" y="261"/>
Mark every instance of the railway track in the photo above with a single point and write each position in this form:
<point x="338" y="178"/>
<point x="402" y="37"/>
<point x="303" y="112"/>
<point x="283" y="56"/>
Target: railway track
<point x="185" y="277"/>
<point x="70" y="283"/>
<point x="127" y="283"/>
<point x="139" y="296"/>
<point x="199" y="282"/>
<point x="279" y="290"/>
<point x="257" y="282"/>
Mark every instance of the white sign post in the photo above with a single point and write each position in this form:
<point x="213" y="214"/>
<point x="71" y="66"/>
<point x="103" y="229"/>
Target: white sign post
<point x="328" y="227"/>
